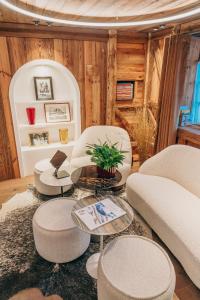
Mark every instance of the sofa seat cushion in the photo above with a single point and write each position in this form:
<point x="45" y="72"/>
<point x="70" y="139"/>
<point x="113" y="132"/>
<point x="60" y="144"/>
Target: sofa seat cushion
<point x="173" y="213"/>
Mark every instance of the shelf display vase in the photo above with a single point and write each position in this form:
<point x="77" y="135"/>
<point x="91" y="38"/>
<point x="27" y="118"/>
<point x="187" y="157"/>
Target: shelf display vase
<point x="64" y="135"/>
<point x="31" y="115"/>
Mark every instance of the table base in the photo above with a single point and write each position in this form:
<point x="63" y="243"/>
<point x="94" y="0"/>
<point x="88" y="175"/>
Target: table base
<point x="92" y="265"/>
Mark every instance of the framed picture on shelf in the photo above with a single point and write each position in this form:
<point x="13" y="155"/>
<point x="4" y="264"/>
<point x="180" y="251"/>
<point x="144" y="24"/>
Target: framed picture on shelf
<point x="57" y="112"/>
<point x="39" y="138"/>
<point x="43" y="88"/>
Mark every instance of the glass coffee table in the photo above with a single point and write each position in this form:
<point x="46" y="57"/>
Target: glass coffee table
<point x="87" y="177"/>
<point x="113" y="227"/>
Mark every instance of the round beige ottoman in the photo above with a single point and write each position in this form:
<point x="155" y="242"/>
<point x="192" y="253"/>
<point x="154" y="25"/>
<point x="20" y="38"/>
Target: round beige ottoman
<point x="134" y="267"/>
<point x="57" y="238"/>
<point x="42" y="166"/>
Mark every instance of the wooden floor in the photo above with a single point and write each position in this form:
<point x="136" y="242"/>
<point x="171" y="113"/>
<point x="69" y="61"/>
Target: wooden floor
<point x="185" y="289"/>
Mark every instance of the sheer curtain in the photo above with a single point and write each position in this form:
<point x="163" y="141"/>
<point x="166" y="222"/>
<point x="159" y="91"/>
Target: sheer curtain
<point x="195" y="113"/>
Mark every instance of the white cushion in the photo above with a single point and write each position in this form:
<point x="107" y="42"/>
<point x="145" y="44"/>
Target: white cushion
<point x="57" y="238"/>
<point x="55" y="215"/>
<point x="81" y="161"/>
<point x="135" y="268"/>
<point x="44" y="165"/>
<point x="173" y="212"/>
<point x="177" y="162"/>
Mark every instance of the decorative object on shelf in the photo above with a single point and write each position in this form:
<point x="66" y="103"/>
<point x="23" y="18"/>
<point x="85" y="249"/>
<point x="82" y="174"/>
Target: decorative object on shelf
<point x="39" y="138"/>
<point x="57" y="161"/>
<point x="63" y="134"/>
<point x="43" y="88"/>
<point x="184" y="116"/>
<point x="107" y="158"/>
<point x="57" y="112"/>
<point x="144" y="132"/>
<point x="31" y="115"/>
<point x="125" y="90"/>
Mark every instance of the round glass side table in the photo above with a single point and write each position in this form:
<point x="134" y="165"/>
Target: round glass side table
<point x="113" y="227"/>
<point x="87" y="177"/>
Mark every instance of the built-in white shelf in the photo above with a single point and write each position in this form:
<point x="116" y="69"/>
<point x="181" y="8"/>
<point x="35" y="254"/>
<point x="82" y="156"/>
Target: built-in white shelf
<point x="48" y="146"/>
<point x="22" y="95"/>
<point x="42" y="102"/>
<point x="45" y="125"/>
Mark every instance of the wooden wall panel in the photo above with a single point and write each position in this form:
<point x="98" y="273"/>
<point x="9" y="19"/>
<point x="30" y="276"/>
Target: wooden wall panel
<point x="156" y="50"/>
<point x="131" y="64"/>
<point x="8" y="153"/>
<point x="85" y="59"/>
<point x="130" y="61"/>
<point x="96" y="62"/>
<point x="111" y="77"/>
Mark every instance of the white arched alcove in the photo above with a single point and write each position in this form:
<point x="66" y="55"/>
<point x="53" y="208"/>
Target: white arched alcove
<point x="22" y="95"/>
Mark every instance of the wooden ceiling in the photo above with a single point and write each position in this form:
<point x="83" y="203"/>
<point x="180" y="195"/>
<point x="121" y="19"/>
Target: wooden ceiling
<point x="98" y="10"/>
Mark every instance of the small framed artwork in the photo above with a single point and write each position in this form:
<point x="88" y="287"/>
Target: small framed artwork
<point x="57" y="112"/>
<point x="39" y="138"/>
<point x="43" y="88"/>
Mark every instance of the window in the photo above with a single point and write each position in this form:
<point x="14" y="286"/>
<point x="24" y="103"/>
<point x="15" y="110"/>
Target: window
<point x="195" y="113"/>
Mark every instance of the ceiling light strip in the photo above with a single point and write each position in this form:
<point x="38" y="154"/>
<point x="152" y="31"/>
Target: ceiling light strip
<point x="33" y="15"/>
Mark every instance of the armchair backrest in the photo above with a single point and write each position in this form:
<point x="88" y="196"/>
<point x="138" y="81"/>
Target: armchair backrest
<point x="180" y="163"/>
<point x="95" y="134"/>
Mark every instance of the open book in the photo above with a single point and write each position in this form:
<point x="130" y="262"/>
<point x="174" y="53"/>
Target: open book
<point x="99" y="213"/>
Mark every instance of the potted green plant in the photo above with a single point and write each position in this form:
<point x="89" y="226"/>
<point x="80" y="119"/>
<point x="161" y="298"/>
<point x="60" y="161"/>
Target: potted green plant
<point x="107" y="157"/>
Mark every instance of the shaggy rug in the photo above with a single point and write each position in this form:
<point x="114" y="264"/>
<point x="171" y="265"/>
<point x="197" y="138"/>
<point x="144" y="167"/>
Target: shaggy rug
<point x="20" y="265"/>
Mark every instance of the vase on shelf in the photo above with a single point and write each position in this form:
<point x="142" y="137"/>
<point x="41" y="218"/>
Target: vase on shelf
<point x="110" y="173"/>
<point x="31" y="115"/>
<point x="63" y="134"/>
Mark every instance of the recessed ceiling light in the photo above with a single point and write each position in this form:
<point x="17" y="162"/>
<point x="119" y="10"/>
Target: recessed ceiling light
<point x="176" y="17"/>
<point x="162" y="26"/>
<point x="36" y="22"/>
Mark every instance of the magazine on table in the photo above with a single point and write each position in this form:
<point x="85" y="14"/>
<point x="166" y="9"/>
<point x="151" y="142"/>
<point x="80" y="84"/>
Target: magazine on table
<point x="99" y="213"/>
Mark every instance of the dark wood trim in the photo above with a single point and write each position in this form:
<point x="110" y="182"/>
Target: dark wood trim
<point x="111" y="76"/>
<point x="61" y="32"/>
<point x="162" y="33"/>
<point x="189" y="135"/>
<point x="131" y="37"/>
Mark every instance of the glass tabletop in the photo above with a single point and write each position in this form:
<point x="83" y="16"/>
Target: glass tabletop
<point x="114" y="226"/>
<point x="88" y="177"/>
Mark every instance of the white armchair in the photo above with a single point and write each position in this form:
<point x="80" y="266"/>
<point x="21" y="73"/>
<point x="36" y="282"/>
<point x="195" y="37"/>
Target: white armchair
<point x="102" y="133"/>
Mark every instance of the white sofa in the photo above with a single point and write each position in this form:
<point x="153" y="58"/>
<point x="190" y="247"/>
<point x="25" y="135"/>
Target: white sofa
<point x="102" y="133"/>
<point x="166" y="192"/>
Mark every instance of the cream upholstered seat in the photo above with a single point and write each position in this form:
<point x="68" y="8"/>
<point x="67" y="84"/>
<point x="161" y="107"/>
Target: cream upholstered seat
<point x="97" y="134"/>
<point x="42" y="166"/>
<point x="57" y="238"/>
<point x="134" y="267"/>
<point x="166" y="192"/>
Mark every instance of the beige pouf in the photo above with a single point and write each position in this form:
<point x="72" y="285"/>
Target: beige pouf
<point x="42" y="166"/>
<point x="133" y="267"/>
<point x="57" y="238"/>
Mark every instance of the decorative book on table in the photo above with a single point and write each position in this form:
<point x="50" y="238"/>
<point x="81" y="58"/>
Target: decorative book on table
<point x="99" y="213"/>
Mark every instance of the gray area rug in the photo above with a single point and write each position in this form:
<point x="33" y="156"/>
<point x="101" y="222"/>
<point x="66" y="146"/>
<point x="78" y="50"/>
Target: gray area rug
<point x="21" y="267"/>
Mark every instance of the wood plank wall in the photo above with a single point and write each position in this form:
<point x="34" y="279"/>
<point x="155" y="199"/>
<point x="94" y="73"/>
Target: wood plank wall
<point x="131" y="64"/>
<point x="85" y="55"/>
<point x="156" y="51"/>
<point x="85" y="59"/>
